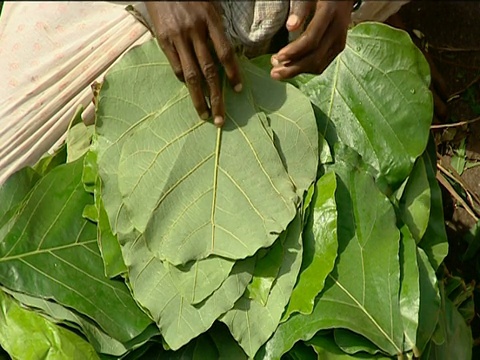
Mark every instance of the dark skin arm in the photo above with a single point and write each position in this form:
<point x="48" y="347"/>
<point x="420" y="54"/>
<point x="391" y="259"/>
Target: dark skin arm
<point x="323" y="39"/>
<point x="184" y="30"/>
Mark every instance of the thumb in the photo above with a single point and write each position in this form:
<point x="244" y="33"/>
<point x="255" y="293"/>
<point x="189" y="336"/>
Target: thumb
<point x="299" y="11"/>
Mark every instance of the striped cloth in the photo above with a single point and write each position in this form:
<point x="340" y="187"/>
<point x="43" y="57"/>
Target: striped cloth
<point x="252" y="24"/>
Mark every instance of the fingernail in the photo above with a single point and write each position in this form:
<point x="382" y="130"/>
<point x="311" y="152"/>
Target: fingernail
<point x="293" y="21"/>
<point x="275" y="75"/>
<point x="218" y="121"/>
<point x="205" y="115"/>
<point x="238" y="88"/>
<point x="275" y="61"/>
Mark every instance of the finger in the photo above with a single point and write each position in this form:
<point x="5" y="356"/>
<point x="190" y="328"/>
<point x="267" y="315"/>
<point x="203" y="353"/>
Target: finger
<point x="314" y="63"/>
<point x="210" y="73"/>
<point x="225" y="53"/>
<point x="193" y="78"/>
<point x="172" y="57"/>
<point x="311" y="37"/>
<point x="299" y="10"/>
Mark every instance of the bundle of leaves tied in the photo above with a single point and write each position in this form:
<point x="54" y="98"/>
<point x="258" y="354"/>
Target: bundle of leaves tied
<point x="309" y="226"/>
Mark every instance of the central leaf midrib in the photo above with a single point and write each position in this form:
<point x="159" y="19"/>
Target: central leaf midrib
<point x="364" y="310"/>
<point x="215" y="185"/>
<point x="49" y="250"/>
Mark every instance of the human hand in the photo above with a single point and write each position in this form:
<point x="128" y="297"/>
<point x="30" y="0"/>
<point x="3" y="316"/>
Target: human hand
<point x="323" y="39"/>
<point x="183" y="30"/>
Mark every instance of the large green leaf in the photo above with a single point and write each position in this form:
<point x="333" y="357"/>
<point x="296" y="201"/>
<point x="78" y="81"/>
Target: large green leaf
<point x="25" y="334"/>
<point x="378" y="100"/>
<point x="156" y="289"/>
<point x="78" y="141"/>
<point x="352" y="343"/>
<point x="252" y="323"/>
<point x="266" y="271"/>
<point x="325" y="156"/>
<point x="201" y="348"/>
<point x="458" y="337"/>
<point x="101" y="342"/>
<point x="430" y="301"/>
<point x="292" y="121"/>
<point x="301" y="351"/>
<point x="152" y="149"/>
<point x="434" y="241"/>
<point x="320" y="247"/>
<point x="50" y="161"/>
<point x="51" y="251"/>
<point x="227" y="347"/>
<point x="416" y="200"/>
<point x="363" y="289"/>
<point x="14" y="190"/>
<point x="326" y="349"/>
<point x="409" y="288"/>
<point x="107" y="241"/>
<point x="362" y="292"/>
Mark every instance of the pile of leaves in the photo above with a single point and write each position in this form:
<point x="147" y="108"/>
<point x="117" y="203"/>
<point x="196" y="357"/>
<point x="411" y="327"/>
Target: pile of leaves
<point x="310" y="225"/>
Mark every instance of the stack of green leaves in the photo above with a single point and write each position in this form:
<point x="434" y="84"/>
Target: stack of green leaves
<point x="309" y="226"/>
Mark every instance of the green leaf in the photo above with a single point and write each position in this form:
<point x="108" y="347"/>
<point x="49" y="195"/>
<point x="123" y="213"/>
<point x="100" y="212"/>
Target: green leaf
<point x="320" y="247"/>
<point x="198" y="280"/>
<point x="326" y="349"/>
<point x="101" y="342"/>
<point x="458" y="160"/>
<point x="430" y="301"/>
<point x="458" y="339"/>
<point x="416" y="200"/>
<point x="78" y="141"/>
<point x="352" y="343"/>
<point x="292" y="121"/>
<point x="301" y="352"/>
<point x="252" y="323"/>
<point x="307" y="201"/>
<point x="263" y="62"/>
<point x="434" y="241"/>
<point x="409" y="288"/>
<point x="151" y="351"/>
<point x="50" y="251"/>
<point x="108" y="244"/>
<point x="50" y="161"/>
<point x="199" y="349"/>
<point x="25" y="334"/>
<point x="227" y="347"/>
<point x="363" y="289"/>
<point x="107" y="241"/>
<point x="377" y="100"/>
<point x="155" y="289"/>
<point x="90" y="172"/>
<point x="153" y="149"/>
<point x="362" y="292"/>
<point x="14" y="190"/>
<point x="265" y="273"/>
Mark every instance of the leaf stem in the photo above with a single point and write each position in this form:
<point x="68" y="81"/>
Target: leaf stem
<point x="215" y="181"/>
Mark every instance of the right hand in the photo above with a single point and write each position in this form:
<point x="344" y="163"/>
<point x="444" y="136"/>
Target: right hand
<point x="183" y="30"/>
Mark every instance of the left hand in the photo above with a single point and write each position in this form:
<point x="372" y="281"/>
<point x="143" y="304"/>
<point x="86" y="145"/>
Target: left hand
<point x="323" y="39"/>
